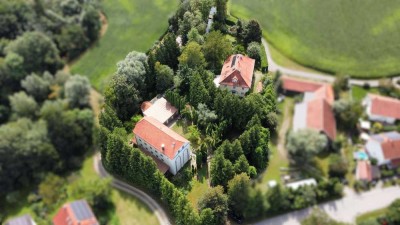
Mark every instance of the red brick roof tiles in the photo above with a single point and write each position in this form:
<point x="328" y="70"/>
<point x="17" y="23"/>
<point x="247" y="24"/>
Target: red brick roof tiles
<point x="157" y="134"/>
<point x="320" y="117"/>
<point x="364" y="171"/>
<point x="299" y="85"/>
<point x="385" y="106"/>
<point x="237" y="71"/>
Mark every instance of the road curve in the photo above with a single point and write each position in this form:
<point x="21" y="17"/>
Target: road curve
<point x="137" y="193"/>
<point x="273" y="66"/>
<point x="345" y="209"/>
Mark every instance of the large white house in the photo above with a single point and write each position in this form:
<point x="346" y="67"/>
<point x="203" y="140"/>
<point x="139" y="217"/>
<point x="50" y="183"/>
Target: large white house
<point x="163" y="143"/>
<point x="382" y="109"/>
<point x="385" y="147"/>
<point x="237" y="74"/>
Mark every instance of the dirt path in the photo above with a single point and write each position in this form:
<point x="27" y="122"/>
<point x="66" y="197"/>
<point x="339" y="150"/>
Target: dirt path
<point x="284" y="129"/>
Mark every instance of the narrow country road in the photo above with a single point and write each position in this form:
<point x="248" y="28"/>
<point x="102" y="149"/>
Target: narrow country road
<point x="149" y="201"/>
<point x="273" y="66"/>
<point x="345" y="209"/>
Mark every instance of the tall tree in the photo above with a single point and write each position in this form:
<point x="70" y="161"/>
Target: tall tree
<point x="168" y="51"/>
<point x="91" y="23"/>
<point x="72" y="41"/>
<point x="133" y="68"/>
<point x="216" y="49"/>
<point x="77" y="91"/>
<point x="198" y="92"/>
<point x="38" y="51"/>
<point x="38" y="87"/>
<point x="164" y="77"/>
<point x="252" y="32"/>
<point x="239" y="194"/>
<point x="23" y="105"/>
<point x="254" y="52"/>
<point x="192" y="56"/>
<point x="221" y="10"/>
<point x="216" y="200"/>
<point x="221" y="170"/>
<point x="347" y="113"/>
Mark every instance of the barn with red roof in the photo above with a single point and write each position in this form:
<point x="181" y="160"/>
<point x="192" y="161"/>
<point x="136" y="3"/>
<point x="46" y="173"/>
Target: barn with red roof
<point x="75" y="213"/>
<point x="381" y="108"/>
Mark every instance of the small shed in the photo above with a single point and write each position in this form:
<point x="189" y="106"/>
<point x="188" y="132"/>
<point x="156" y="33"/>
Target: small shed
<point x="297" y="184"/>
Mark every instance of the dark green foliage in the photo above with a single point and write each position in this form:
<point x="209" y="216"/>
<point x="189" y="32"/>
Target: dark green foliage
<point x="239" y="194"/>
<point x="393" y="212"/>
<point x="217" y="201"/>
<point x="168" y="51"/>
<point x="25" y="153"/>
<point x="72" y="41"/>
<point x="192" y="56"/>
<point x="221" y="171"/>
<point x="347" y="113"/>
<point x="221" y="10"/>
<point x="123" y="97"/>
<point x="91" y="23"/>
<point x="77" y="91"/>
<point x="23" y="105"/>
<point x="176" y="100"/>
<point x="109" y="119"/>
<point x="52" y="190"/>
<point x="38" y="86"/>
<point x="318" y="216"/>
<point x="216" y="49"/>
<point x="38" y="52"/>
<point x="164" y="77"/>
<point x="70" y="131"/>
<point x="254" y="52"/>
<point x="14" y="18"/>
<point x="252" y="32"/>
<point x="198" y="92"/>
<point x="278" y="199"/>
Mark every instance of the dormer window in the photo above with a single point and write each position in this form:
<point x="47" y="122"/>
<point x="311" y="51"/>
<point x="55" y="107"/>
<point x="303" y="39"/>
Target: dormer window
<point x="234" y="80"/>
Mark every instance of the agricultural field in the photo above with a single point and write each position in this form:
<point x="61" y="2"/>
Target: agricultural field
<point x="132" y="25"/>
<point x="357" y="37"/>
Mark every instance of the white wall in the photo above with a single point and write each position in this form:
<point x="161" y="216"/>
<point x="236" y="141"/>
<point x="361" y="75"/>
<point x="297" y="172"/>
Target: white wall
<point x="238" y="90"/>
<point x="374" y="150"/>
<point x="367" y="104"/>
<point x="175" y="164"/>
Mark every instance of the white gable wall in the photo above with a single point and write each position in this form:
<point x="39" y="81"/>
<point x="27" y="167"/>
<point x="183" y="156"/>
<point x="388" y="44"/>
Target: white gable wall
<point x="374" y="149"/>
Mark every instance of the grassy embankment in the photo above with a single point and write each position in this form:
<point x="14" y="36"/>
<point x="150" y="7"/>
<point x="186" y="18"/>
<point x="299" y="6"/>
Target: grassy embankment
<point x="357" y="38"/>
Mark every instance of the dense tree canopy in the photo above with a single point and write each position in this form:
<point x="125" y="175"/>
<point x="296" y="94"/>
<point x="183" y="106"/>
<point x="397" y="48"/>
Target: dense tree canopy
<point x="216" y="49"/>
<point x="192" y="56"/>
<point x="217" y="201"/>
<point x="318" y="216"/>
<point x="77" y="91"/>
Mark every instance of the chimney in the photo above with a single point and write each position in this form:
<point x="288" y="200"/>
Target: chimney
<point x="173" y="145"/>
<point x="163" y="147"/>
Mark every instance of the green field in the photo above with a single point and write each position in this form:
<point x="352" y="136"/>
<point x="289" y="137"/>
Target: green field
<point x="358" y="37"/>
<point x="371" y="215"/>
<point x="132" y="25"/>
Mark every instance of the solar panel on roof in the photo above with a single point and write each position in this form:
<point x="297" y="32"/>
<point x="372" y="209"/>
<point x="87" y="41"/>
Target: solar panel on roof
<point x="393" y="135"/>
<point x="81" y="210"/>
<point x="233" y="61"/>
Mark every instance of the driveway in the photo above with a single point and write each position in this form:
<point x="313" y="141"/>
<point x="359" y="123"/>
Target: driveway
<point x="137" y="193"/>
<point x="345" y="209"/>
<point x="273" y="66"/>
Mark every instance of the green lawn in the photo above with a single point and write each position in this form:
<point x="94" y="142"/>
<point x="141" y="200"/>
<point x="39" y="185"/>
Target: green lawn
<point x="128" y="210"/>
<point x="200" y="186"/>
<point x="358" y="37"/>
<point x="359" y="93"/>
<point x="371" y="215"/>
<point x="132" y="25"/>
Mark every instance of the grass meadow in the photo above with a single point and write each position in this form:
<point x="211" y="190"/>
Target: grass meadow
<point x="358" y="37"/>
<point x="132" y="25"/>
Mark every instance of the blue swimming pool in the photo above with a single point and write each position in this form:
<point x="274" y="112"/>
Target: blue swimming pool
<point x="362" y="155"/>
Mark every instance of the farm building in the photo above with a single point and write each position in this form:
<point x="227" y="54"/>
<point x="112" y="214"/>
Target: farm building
<point x="381" y="108"/>
<point x="75" y="213"/>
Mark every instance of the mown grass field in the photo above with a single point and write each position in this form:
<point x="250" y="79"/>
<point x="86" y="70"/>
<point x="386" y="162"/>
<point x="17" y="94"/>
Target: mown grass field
<point x="358" y="37"/>
<point x="132" y="25"/>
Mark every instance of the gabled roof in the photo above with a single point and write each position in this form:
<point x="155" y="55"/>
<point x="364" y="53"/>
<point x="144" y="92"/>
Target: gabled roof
<point x="157" y="135"/>
<point x="364" y="171"/>
<point x="21" y="220"/>
<point x="320" y="117"/>
<point x="325" y="92"/>
<point x="385" y="106"/>
<point x="237" y="71"/>
<point x="75" y="213"/>
<point x="160" y="110"/>
<point x="390" y="144"/>
<point x="299" y="85"/>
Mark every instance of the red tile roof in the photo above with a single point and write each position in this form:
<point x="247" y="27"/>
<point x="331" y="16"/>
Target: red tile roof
<point x="75" y="213"/>
<point x="325" y="92"/>
<point x="391" y="149"/>
<point x="364" y="171"/>
<point x="385" y="106"/>
<point x="320" y="117"/>
<point x="157" y="134"/>
<point x="299" y="85"/>
<point x="237" y="67"/>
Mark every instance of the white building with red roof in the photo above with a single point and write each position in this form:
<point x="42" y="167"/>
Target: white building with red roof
<point x="160" y="109"/>
<point x="315" y="111"/>
<point x="237" y="74"/>
<point x="381" y="108"/>
<point x="385" y="148"/>
<point x="163" y="143"/>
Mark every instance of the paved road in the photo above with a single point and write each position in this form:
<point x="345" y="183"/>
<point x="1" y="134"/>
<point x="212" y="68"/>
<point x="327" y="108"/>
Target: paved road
<point x="142" y="196"/>
<point x="273" y="66"/>
<point x="345" y="209"/>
